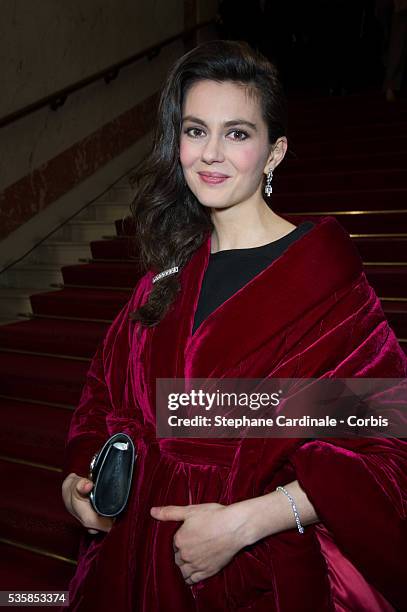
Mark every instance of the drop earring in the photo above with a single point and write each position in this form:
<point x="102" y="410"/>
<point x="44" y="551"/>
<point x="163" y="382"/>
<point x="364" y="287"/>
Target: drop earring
<point x="268" y="190"/>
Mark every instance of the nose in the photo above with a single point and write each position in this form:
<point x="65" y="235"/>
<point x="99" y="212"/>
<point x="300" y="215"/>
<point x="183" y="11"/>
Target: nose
<point x="212" y="150"/>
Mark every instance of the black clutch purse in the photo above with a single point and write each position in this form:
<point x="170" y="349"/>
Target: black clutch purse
<point x="111" y="471"/>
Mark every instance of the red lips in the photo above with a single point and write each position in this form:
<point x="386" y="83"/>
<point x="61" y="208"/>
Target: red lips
<point x="213" y="174"/>
<point x="212" y="178"/>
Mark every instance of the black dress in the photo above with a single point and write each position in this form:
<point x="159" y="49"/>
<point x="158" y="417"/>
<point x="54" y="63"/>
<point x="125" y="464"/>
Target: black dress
<point x="231" y="269"/>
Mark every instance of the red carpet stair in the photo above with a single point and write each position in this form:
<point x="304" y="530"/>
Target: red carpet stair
<point x="43" y="362"/>
<point x="347" y="158"/>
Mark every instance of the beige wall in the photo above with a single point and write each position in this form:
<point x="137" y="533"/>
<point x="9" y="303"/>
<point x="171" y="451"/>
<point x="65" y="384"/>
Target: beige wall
<point x="46" y="45"/>
<point x="49" y="43"/>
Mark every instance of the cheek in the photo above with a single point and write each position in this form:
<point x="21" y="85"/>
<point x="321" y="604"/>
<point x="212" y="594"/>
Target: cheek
<point x="248" y="159"/>
<point x="187" y="154"/>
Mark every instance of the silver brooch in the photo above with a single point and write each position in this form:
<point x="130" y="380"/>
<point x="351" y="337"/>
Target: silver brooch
<point x="165" y="273"/>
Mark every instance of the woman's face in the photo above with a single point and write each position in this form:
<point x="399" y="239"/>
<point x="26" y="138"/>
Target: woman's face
<point x="223" y="134"/>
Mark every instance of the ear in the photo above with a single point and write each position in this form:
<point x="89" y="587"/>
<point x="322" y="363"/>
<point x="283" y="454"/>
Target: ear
<point x="277" y="154"/>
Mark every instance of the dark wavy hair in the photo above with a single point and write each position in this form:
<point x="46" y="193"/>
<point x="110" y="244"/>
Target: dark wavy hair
<point x="170" y="223"/>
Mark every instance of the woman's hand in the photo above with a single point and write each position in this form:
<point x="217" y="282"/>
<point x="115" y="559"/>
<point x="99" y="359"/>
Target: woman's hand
<point x="75" y="491"/>
<point x="209" y="537"/>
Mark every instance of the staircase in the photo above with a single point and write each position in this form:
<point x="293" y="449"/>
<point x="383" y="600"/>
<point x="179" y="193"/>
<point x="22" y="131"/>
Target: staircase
<point x="55" y="306"/>
<point x="348" y="159"/>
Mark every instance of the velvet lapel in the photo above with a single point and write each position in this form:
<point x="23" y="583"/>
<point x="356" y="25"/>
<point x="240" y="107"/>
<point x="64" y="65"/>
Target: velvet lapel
<point x="310" y="270"/>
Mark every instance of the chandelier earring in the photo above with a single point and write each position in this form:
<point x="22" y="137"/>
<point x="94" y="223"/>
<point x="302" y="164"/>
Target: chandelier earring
<point x="268" y="189"/>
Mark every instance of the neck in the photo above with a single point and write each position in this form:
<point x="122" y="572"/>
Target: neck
<point x="246" y="225"/>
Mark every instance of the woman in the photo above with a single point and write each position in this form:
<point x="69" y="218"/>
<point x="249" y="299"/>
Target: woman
<point x="243" y="294"/>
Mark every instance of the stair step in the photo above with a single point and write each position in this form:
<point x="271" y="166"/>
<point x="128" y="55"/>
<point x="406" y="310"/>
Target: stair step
<point x="385" y="248"/>
<point x="295" y="163"/>
<point x="111" y="201"/>
<point x="10" y="292"/>
<point x="388" y="280"/>
<point x="7" y="321"/>
<point x="34" y="275"/>
<point x="356" y="221"/>
<point x="100" y="260"/>
<point x="35" y="353"/>
<point x="42" y="378"/>
<point x="31" y="316"/>
<point x="340" y="181"/>
<point x="396" y="314"/>
<point x="337" y="146"/>
<point x="87" y="303"/>
<point x="334" y="125"/>
<point x="99" y="287"/>
<point x="15" y="398"/>
<point x="36" y="432"/>
<point x="344" y="131"/>
<point x="60" y="252"/>
<point x="104" y="211"/>
<point x="319" y="120"/>
<point x="125" y="274"/>
<point x="24" y="569"/>
<point x="25" y="517"/>
<point x="356" y="104"/>
<point x="33" y="267"/>
<point x="116" y="237"/>
<point x="66" y="243"/>
<point x="378" y="200"/>
<point x="75" y="338"/>
<point x="114" y="248"/>
<point x="385" y="263"/>
<point x="85" y="230"/>
<point x="15" y="299"/>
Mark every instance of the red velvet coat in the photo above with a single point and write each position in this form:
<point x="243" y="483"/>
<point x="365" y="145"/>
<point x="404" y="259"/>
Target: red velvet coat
<point x="310" y="313"/>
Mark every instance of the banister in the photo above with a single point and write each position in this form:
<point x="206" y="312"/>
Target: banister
<point x="58" y="98"/>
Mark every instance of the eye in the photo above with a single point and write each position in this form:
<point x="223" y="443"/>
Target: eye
<point x="192" y="129"/>
<point x="241" y="134"/>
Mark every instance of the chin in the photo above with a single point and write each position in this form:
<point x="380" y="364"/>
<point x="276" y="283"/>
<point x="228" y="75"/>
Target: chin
<point x="220" y="204"/>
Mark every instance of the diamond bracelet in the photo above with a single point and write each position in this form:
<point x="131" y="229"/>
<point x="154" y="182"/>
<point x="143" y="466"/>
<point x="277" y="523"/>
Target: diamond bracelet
<point x="294" y="507"/>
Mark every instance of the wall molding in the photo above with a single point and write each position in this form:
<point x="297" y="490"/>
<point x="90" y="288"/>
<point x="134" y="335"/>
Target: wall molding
<point x="36" y="191"/>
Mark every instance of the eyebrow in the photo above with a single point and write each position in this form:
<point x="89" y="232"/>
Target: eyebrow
<point x="226" y="123"/>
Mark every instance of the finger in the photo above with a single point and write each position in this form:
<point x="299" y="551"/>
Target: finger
<point x="169" y="513"/>
<point x="93" y="520"/>
<point x="83" y="487"/>
<point x="187" y="570"/>
<point x="98" y="523"/>
<point x="68" y="485"/>
<point x="194" y="578"/>
<point x="83" y="511"/>
<point x="178" y="559"/>
<point x="81" y="507"/>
